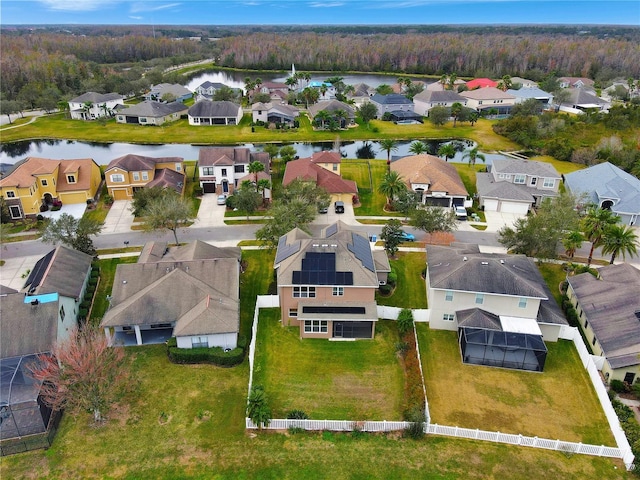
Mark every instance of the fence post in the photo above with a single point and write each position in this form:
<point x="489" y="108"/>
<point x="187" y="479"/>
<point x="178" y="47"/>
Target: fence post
<point x="601" y="450"/>
<point x="535" y="442"/>
<point x="477" y="433"/>
<point x="520" y="439"/>
<point x="557" y="444"/>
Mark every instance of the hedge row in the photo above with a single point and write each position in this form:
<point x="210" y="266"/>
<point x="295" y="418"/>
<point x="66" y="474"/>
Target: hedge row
<point x="215" y="355"/>
<point x="570" y="312"/>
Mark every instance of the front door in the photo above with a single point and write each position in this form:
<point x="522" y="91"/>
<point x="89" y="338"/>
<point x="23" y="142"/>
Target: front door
<point x="225" y="186"/>
<point x="337" y="329"/>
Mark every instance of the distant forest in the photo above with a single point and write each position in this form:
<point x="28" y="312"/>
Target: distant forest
<point x="58" y="62"/>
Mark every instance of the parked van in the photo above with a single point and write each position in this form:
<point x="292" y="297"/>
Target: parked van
<point x="339" y="207"/>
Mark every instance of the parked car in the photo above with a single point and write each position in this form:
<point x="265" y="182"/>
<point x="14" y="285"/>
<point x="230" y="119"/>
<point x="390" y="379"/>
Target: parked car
<point x="461" y="212"/>
<point x="407" y="237"/>
<point x="339" y="207"/>
<point x="322" y="208"/>
<point x="222" y="200"/>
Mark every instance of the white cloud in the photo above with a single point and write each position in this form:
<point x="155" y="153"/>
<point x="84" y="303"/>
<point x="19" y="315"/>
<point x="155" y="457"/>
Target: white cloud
<point x="77" y="5"/>
<point x="135" y="18"/>
<point x="326" y="4"/>
<point x="151" y="6"/>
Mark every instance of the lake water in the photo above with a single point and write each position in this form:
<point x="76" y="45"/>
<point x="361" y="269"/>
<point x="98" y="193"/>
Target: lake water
<point x="103" y="153"/>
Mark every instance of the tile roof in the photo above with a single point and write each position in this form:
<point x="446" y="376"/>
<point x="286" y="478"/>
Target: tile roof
<point x="487" y="93"/>
<point x="62" y="270"/>
<point x="167" y="178"/>
<point x="94" y="97"/>
<point x="306" y="170"/>
<point x="326" y="156"/>
<point x="24" y="173"/>
<point x="440" y="175"/>
<point x="134" y="163"/>
<point x="149" y="108"/>
<point x="481" y="83"/>
<point x="612" y="307"/>
<point x="210" y="156"/>
<point x="207" y="108"/>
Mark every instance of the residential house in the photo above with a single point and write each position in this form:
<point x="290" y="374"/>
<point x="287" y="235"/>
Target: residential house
<point x="609" y="311"/>
<point x="427" y="99"/>
<point x="499" y="304"/>
<point x="64" y="272"/>
<point x="206" y="90"/>
<point x="610" y="187"/>
<point x="190" y="292"/>
<point x="151" y="113"/>
<point x="513" y="185"/>
<point x="437" y="181"/>
<point x="35" y="184"/>
<point x="576" y="82"/>
<point x="334" y="107"/>
<point x="319" y="169"/>
<point x="222" y="168"/>
<point x="439" y="87"/>
<point x="487" y="98"/>
<point x="481" y="83"/>
<point x="394" y="102"/>
<point x="281" y="90"/>
<point x="327" y="283"/>
<point x="129" y="173"/>
<point x="527" y="93"/>
<point x="523" y="82"/>
<point x="205" y="112"/>
<point x="581" y="101"/>
<point x="361" y="93"/>
<point x="92" y="105"/>
<point x="173" y="92"/>
<point x="274" y="113"/>
<point x="325" y="90"/>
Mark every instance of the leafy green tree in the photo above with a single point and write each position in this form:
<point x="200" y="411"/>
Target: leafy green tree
<point x="142" y="197"/>
<point x="310" y="96"/>
<point x="9" y="107"/>
<point x="438" y="116"/>
<point x="272" y="149"/>
<point x="261" y="97"/>
<point x="256" y="168"/>
<point x="620" y="240"/>
<point x="286" y="216"/>
<point x="418" y="148"/>
<point x="226" y="94"/>
<point x="388" y="145"/>
<point x="560" y="97"/>
<point x="246" y="198"/>
<point x="384" y="89"/>
<point x="456" y="110"/>
<point x="257" y="408"/>
<point x="72" y="232"/>
<point x="405" y="202"/>
<point x="473" y="155"/>
<point x="169" y="212"/>
<point x="392" y="236"/>
<point x="505" y="83"/>
<point x="263" y="185"/>
<point x="527" y="108"/>
<point x="571" y="242"/>
<point x="308" y="192"/>
<point x="413" y="89"/>
<point x="392" y="185"/>
<point x="405" y="321"/>
<point x="433" y="219"/>
<point x="447" y="151"/>
<point x="287" y="153"/>
<point x="595" y="224"/>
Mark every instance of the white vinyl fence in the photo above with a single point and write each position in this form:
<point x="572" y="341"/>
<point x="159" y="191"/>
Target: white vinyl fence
<point x="391" y="313"/>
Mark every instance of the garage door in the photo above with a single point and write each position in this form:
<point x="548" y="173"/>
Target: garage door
<point x="514" y="207"/>
<point x="120" y="195"/>
<point x="491" y="205"/>
<point x="209" y="187"/>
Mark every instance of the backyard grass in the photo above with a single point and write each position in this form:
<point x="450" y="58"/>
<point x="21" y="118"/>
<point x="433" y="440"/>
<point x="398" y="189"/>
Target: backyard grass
<point x="254" y="281"/>
<point x="553" y="274"/>
<point x="368" y="174"/>
<point x="359" y="380"/>
<point x="410" y="291"/>
<point x="559" y="403"/>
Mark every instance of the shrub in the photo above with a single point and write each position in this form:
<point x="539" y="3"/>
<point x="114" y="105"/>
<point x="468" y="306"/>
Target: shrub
<point x="402" y="347"/>
<point x="93" y="281"/>
<point x="392" y="277"/>
<point x="295" y="430"/>
<point x="405" y="321"/>
<point x="385" y="289"/>
<point x="215" y="355"/>
<point x="242" y="341"/>
<point x="297" y="415"/>
<point x="107" y="199"/>
<point x="85" y="304"/>
<point x="617" y="386"/>
<point x="82" y="313"/>
<point x="197" y="191"/>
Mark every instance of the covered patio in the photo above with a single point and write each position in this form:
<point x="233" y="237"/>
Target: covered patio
<point x="134" y="336"/>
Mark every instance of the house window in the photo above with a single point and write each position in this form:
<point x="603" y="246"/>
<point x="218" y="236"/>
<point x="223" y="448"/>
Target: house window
<point x="315" y="326"/>
<point x="586" y="323"/>
<point x="479" y="102"/>
<point x="136" y="176"/>
<point x="293" y="312"/>
<point x="519" y="179"/>
<point x="143" y="120"/>
<point x="448" y="296"/>
<point x="11" y="194"/>
<point x="593" y="342"/>
<point x="199" y="342"/>
<point x="44" y="182"/>
<point x="178" y="167"/>
<point x="207" y="171"/>
<point x="335" y="167"/>
<point x="448" y="317"/>
<point x="117" y="178"/>
<point x="501" y="176"/>
<point x="534" y="180"/>
<point x="71" y="178"/>
<point x="479" y="298"/>
<point x="238" y="168"/>
<point x="522" y="303"/>
<point x="224" y="172"/>
<point x="304" y="292"/>
<point x="62" y="312"/>
<point x="145" y="176"/>
<point x="549" y="183"/>
<point x="120" y="118"/>
<point x="338" y="291"/>
<point x="14" y="210"/>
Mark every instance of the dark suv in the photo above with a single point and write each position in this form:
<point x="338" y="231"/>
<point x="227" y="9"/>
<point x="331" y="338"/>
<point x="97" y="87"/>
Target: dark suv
<point x="339" y="207"/>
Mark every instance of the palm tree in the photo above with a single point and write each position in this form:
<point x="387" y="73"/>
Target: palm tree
<point x="341" y="115"/>
<point x="619" y="239"/>
<point x="443" y="80"/>
<point x="255" y="168"/>
<point x="104" y="109"/>
<point x="447" y="151"/>
<point x="388" y="146"/>
<point x="595" y="224"/>
<point x="452" y="81"/>
<point x="322" y="117"/>
<point x="456" y="109"/>
<point x="572" y="242"/>
<point x="418" y="148"/>
<point x="86" y="108"/>
<point x="473" y="155"/>
<point x="291" y="82"/>
<point x="473" y="117"/>
<point x="391" y="186"/>
<point x="505" y="83"/>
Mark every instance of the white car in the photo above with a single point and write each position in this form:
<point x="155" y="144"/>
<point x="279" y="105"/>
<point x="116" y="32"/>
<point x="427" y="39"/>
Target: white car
<point x="222" y="200"/>
<point x="461" y="212"/>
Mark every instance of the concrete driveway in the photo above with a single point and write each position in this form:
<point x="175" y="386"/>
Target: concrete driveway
<point x="16" y="270"/>
<point x="119" y="219"/>
<point x="497" y="220"/>
<point x="331" y="217"/>
<point x="210" y="214"/>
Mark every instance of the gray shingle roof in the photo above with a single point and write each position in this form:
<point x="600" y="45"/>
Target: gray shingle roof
<point x="478" y="318"/>
<point x="135" y="163"/>
<point x="391" y="99"/>
<point x="533" y="92"/>
<point x="206" y="108"/>
<point x="331" y="106"/>
<point x="526" y="167"/>
<point x="63" y="272"/>
<point x="439" y="96"/>
<point x="488" y="188"/>
<point x="606" y="181"/>
<point x="94" y="97"/>
<point x="149" y="108"/>
<point x="210" y="156"/>
<point x="611" y="305"/>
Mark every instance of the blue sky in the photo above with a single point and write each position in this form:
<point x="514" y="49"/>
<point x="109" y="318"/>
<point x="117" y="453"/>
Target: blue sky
<point x="240" y="12"/>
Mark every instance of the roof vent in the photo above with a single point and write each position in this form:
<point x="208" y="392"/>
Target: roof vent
<point x="502" y="262"/>
<point x="464" y="259"/>
<point x="124" y="281"/>
<point x="485" y="263"/>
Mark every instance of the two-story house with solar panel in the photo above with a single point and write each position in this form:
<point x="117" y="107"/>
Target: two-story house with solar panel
<point x="327" y="284"/>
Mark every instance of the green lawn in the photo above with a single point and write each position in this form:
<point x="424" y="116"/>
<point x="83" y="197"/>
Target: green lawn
<point x="254" y="281"/>
<point x="360" y="380"/>
<point x="368" y="174"/>
<point x="553" y="274"/>
<point x="411" y="291"/>
<point x="559" y="403"/>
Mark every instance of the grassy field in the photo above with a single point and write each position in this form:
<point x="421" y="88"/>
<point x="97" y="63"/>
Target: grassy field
<point x="368" y="175"/>
<point x="411" y="289"/>
<point x="361" y="380"/>
<point x="557" y="404"/>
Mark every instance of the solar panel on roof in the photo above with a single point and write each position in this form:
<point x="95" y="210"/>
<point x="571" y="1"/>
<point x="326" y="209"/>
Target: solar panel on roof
<point x="284" y="250"/>
<point x="361" y="249"/>
<point x="331" y="230"/>
<point x="319" y="268"/>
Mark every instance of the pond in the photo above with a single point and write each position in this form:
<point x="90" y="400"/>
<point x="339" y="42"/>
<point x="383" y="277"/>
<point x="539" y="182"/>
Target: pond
<point x="103" y="153"/>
